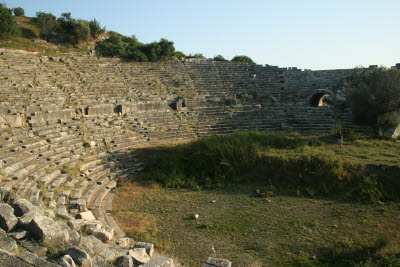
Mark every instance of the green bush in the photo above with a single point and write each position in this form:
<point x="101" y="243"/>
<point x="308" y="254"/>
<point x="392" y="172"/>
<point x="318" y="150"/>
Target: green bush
<point x="216" y="161"/>
<point x="80" y="31"/>
<point x="8" y="26"/>
<point x="111" y="47"/>
<point x="242" y="59"/>
<point x="179" y="54"/>
<point x="95" y="28"/>
<point x="198" y="55"/>
<point x="370" y="190"/>
<point x="375" y="96"/>
<point x="130" y="48"/>
<point x="47" y="23"/>
<point x="19" y="11"/>
<point x="219" y="58"/>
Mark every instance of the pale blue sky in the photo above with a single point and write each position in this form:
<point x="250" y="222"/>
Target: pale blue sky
<point x="313" y="34"/>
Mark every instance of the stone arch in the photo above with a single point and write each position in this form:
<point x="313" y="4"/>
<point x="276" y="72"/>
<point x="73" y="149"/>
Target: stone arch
<point x="316" y="98"/>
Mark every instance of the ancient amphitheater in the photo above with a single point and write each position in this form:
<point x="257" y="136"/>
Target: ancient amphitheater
<point x="70" y="122"/>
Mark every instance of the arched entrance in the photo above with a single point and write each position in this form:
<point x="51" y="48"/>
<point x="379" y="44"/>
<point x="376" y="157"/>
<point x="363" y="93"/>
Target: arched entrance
<point x="321" y="97"/>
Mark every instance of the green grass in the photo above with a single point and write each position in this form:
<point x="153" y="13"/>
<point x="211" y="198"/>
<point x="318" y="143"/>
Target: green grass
<point x="291" y="163"/>
<point x="287" y="231"/>
<point x="310" y="209"/>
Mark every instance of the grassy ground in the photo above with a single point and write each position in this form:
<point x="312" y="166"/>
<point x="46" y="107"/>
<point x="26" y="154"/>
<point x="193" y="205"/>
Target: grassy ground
<point x="239" y="225"/>
<point x="276" y="227"/>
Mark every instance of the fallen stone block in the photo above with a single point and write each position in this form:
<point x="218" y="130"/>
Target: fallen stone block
<point x="124" y="261"/>
<point x="148" y="246"/>
<point x="25" y="220"/>
<point x="47" y="230"/>
<point x="8" y="244"/>
<point x="7" y="218"/>
<point x="125" y="242"/>
<point x="8" y="260"/>
<point x="66" y="261"/>
<point x="76" y="224"/>
<point x="214" y="262"/>
<point x="87" y="216"/>
<point x="22" y="206"/>
<point x="34" y="248"/>
<point x="104" y="234"/>
<point x="33" y="259"/>
<point x="18" y="234"/>
<point x="139" y="255"/>
<point x="79" y="256"/>
<point x="159" y="262"/>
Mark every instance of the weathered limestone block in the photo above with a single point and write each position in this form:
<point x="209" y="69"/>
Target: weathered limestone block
<point x="139" y="255"/>
<point x="81" y="204"/>
<point x="18" y="234"/>
<point x="14" y="121"/>
<point x="125" y="242"/>
<point x="33" y="259"/>
<point x="124" y="261"/>
<point x="7" y="218"/>
<point x="213" y="262"/>
<point x="63" y="213"/>
<point x="33" y="247"/>
<point x="74" y="237"/>
<point x="66" y="261"/>
<point x="104" y="234"/>
<point x="148" y="246"/>
<point x="159" y="262"/>
<point x="8" y="244"/>
<point x="87" y="216"/>
<point x="91" y="226"/>
<point x="47" y="230"/>
<point x="76" y="224"/>
<point x="79" y="256"/>
<point x="8" y="260"/>
<point x="52" y="116"/>
<point x="105" y="109"/>
<point x="22" y="206"/>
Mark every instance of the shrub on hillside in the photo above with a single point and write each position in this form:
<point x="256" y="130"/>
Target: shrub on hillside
<point x="47" y="23"/>
<point x="19" y="11"/>
<point x="131" y="48"/>
<point x="8" y="26"/>
<point x="80" y="31"/>
<point x="219" y="58"/>
<point x="179" y="54"/>
<point x="95" y="29"/>
<point x="375" y="97"/>
<point x="242" y="59"/>
<point x="370" y="190"/>
<point x="198" y="55"/>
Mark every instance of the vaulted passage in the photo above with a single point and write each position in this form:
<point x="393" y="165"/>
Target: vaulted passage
<point x="320" y="99"/>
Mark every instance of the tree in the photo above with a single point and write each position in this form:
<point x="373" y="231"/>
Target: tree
<point x="80" y="31"/>
<point x="111" y="47"/>
<point x="242" y="59"/>
<point x="95" y="28"/>
<point x="197" y="55"/>
<point x="19" y="11"/>
<point x="167" y="48"/>
<point x="8" y="26"/>
<point x="152" y="51"/>
<point x="375" y="97"/>
<point x="179" y="54"/>
<point x="47" y="23"/>
<point x="219" y="58"/>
